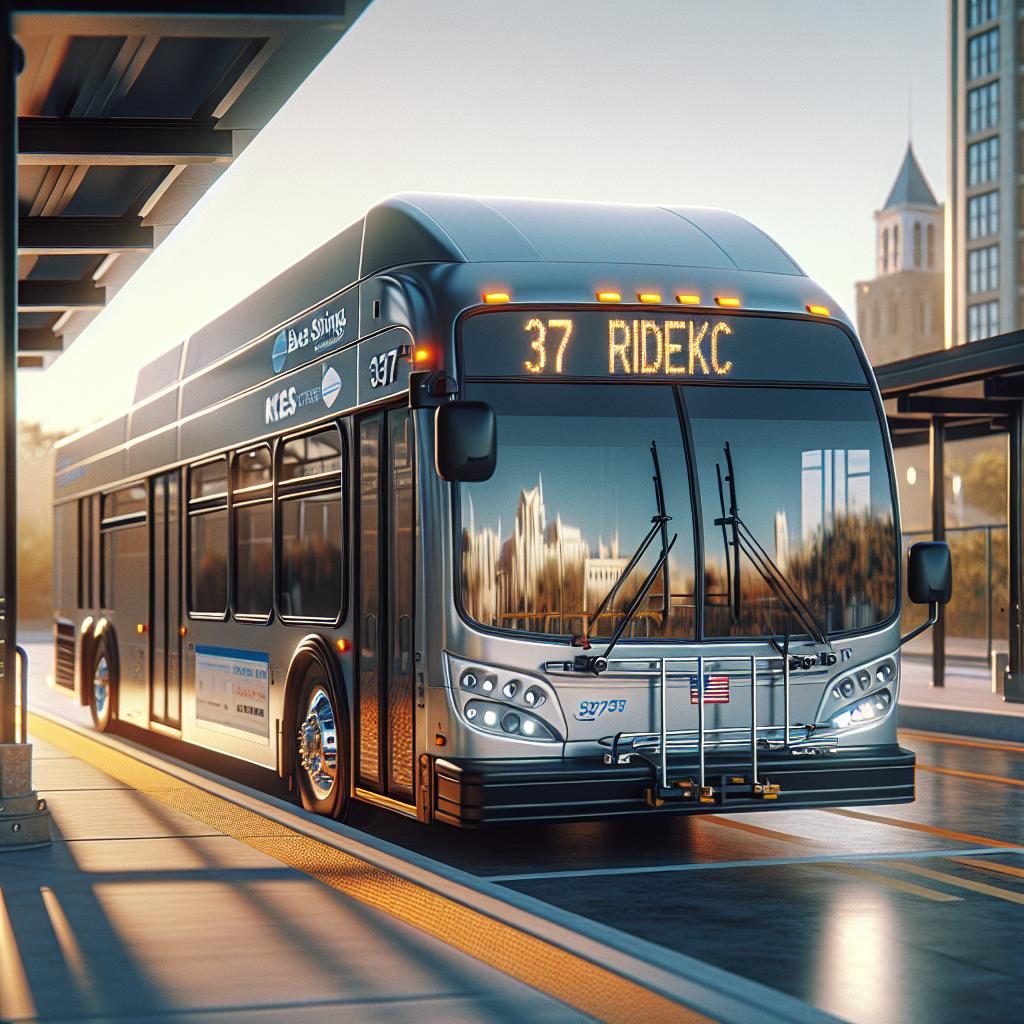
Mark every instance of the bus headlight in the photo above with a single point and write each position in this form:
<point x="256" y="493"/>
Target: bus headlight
<point x="490" y="716"/>
<point x="865" y="710"/>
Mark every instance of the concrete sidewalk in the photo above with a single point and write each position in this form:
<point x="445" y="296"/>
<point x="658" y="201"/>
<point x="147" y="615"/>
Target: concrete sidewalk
<point x="966" y="705"/>
<point x="140" y="912"/>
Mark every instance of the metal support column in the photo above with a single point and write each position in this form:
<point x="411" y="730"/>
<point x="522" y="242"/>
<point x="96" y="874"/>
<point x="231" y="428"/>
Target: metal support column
<point x="937" y="438"/>
<point x="1013" y="684"/>
<point x="24" y="819"/>
<point x="9" y="56"/>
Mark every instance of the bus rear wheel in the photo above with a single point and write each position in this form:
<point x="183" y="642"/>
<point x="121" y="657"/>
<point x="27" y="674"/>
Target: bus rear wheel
<point x="103" y="685"/>
<point x="320" y="762"/>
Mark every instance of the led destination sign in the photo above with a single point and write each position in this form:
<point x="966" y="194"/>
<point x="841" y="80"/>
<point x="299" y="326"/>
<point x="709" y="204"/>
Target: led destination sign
<point x="547" y="344"/>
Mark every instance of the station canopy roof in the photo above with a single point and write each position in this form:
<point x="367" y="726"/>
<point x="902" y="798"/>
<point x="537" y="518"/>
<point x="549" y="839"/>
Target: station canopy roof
<point x="127" y="114"/>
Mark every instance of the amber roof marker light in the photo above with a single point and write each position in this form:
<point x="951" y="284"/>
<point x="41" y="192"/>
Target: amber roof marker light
<point x="688" y="299"/>
<point x="654" y="297"/>
<point x="492" y="298"/>
<point x="609" y="296"/>
<point x="727" y="300"/>
<point x="818" y="310"/>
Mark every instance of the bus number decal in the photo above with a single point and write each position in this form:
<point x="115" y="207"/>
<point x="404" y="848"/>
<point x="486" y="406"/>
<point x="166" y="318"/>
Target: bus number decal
<point x="591" y="710"/>
<point x="384" y="368"/>
<point x="539" y="329"/>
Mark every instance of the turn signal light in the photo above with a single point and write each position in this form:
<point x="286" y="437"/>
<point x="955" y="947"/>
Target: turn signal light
<point x="727" y="300"/>
<point x="141" y="628"/>
<point x="439" y="740"/>
<point x="343" y="645"/>
<point x="493" y="297"/>
<point x="609" y="297"/>
<point x="421" y="355"/>
<point x="183" y="631"/>
<point x="818" y="310"/>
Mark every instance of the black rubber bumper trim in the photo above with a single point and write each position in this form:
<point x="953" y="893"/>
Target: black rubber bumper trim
<point x="477" y="792"/>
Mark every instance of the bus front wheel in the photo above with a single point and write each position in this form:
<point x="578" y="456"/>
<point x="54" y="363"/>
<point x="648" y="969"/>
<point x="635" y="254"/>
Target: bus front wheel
<point x="320" y="763"/>
<point x="103" y="685"/>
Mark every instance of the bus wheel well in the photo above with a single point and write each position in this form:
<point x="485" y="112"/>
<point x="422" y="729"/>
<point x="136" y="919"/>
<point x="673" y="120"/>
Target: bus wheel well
<point x="312" y="649"/>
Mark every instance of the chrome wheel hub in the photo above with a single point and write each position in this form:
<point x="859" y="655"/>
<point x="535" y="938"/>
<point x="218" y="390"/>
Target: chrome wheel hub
<point x="318" y="744"/>
<point x="101" y="687"/>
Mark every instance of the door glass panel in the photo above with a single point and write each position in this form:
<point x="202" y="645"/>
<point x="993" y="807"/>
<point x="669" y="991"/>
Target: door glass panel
<point x="401" y="541"/>
<point x="369" y="604"/>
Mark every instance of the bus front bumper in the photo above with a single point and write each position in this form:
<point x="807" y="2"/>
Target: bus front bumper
<point x="477" y="792"/>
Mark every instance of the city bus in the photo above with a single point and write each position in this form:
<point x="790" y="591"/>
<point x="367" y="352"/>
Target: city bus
<point x="498" y="510"/>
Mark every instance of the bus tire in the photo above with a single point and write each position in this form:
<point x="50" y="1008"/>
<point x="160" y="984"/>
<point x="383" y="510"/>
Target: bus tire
<point x="102" y="682"/>
<point x="321" y="740"/>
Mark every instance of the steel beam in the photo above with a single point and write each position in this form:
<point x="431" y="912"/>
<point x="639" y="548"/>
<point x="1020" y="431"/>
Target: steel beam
<point x="91" y="141"/>
<point x="56" y="296"/>
<point x="941" y="405"/>
<point x="1004" y="387"/>
<point x="39" y="339"/>
<point x="1013" y="684"/>
<point x="63" y="236"/>
<point x="937" y="435"/>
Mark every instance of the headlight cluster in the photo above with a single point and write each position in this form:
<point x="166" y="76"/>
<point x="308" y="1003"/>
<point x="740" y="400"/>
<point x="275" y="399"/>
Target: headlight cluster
<point x="866" y="709"/>
<point x="862" y="679"/>
<point x="505" y="703"/>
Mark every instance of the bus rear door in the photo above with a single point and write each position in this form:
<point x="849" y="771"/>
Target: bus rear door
<point x="385" y="694"/>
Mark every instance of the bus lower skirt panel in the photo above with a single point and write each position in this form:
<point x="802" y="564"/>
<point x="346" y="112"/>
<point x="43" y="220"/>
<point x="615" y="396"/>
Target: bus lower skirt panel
<point x="470" y="793"/>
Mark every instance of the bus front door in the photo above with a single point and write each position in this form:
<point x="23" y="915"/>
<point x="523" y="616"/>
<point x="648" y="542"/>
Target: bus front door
<point x="165" y="603"/>
<point x="385" y="712"/>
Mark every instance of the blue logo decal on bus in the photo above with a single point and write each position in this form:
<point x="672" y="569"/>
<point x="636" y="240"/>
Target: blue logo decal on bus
<point x="330" y="386"/>
<point x="280" y="353"/>
<point x="591" y="710"/>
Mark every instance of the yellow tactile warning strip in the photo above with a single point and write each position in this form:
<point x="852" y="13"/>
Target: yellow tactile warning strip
<point x="586" y="986"/>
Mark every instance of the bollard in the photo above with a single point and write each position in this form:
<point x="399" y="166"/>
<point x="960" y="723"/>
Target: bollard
<point x="24" y="819"/>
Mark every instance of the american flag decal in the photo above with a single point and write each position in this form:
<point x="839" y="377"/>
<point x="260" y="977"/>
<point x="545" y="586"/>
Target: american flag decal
<point x="716" y="689"/>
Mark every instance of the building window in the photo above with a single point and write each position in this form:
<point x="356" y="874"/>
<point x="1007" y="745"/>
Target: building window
<point x="983" y="54"/>
<point x="895" y="247"/>
<point x="917" y="244"/>
<point x="980" y="11"/>
<point x="983" y="161"/>
<point x="931" y="245"/>
<point x="982" y="320"/>
<point x="983" y="215"/>
<point x="885" y="250"/>
<point x="894" y="318"/>
<point x="876" y="321"/>
<point x="983" y="270"/>
<point x="983" y="108"/>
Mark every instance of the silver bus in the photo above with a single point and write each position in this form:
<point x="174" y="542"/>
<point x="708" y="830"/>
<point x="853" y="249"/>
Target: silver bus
<point x="503" y="509"/>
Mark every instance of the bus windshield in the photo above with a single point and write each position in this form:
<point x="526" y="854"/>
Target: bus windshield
<point x="545" y="539"/>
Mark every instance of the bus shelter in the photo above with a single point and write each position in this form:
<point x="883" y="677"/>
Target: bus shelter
<point x="115" y="119"/>
<point x="971" y="391"/>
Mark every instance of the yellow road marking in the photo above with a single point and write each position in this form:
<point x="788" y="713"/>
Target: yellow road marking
<point x="917" y="826"/>
<point x="897" y="883"/>
<point x="961" y="774"/>
<point x="961" y="883"/>
<point x="985" y="864"/>
<point x="591" y="988"/>
<point x="863" y="873"/>
<point x="15" y="995"/>
<point x="957" y="741"/>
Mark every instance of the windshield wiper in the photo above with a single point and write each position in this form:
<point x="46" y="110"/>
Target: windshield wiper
<point x="659" y="525"/>
<point x="744" y="540"/>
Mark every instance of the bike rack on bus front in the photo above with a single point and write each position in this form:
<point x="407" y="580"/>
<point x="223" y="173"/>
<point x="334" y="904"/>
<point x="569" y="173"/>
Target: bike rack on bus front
<point x="647" y="745"/>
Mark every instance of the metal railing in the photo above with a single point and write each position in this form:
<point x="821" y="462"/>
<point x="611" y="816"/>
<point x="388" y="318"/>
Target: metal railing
<point x="974" y="625"/>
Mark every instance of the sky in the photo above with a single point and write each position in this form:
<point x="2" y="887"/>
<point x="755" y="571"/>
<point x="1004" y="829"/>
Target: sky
<point x="792" y="113"/>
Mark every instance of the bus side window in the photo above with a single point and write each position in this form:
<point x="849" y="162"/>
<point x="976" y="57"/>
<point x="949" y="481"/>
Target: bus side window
<point x="208" y="538"/>
<point x="253" y="557"/>
<point x="310" y="527"/>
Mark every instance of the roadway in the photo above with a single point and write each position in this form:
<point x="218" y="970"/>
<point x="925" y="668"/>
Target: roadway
<point x="887" y="914"/>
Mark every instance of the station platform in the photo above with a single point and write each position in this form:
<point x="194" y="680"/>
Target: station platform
<point x="169" y="894"/>
<point x="966" y="705"/>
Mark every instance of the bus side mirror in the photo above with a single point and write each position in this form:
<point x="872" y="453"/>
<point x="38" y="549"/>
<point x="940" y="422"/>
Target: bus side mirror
<point x="930" y="573"/>
<point x="465" y="441"/>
